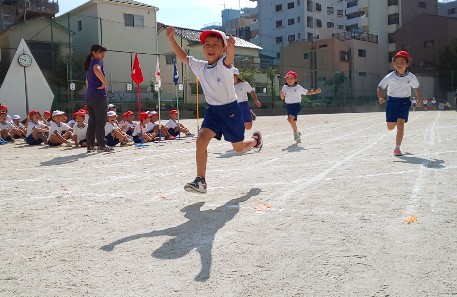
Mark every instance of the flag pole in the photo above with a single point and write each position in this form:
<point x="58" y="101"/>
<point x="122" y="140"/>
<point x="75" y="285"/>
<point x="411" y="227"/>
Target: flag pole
<point x="141" y="144"/>
<point x="137" y="77"/>
<point x="175" y="81"/>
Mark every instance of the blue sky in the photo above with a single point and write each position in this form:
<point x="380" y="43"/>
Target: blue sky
<point x="193" y="14"/>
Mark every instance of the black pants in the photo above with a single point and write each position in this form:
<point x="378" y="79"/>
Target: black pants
<point x="97" y="108"/>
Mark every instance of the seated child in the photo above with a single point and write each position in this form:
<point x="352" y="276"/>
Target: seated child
<point x="19" y="131"/>
<point x="5" y="128"/>
<point x="127" y="124"/>
<point x="37" y="131"/>
<point x="175" y="128"/>
<point x="80" y="129"/>
<point x="142" y="129"/>
<point x="4" y="109"/>
<point x="47" y="117"/>
<point x="114" y="134"/>
<point x="59" y="132"/>
<point x="159" y="130"/>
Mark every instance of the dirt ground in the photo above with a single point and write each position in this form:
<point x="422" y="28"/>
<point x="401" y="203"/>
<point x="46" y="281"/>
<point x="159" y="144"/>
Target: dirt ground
<point x="326" y="217"/>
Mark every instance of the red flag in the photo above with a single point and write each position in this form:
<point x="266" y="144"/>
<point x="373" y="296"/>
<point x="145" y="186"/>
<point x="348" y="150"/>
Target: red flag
<point x="137" y="74"/>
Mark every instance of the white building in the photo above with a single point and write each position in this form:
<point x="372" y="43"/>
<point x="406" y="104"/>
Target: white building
<point x="284" y="22"/>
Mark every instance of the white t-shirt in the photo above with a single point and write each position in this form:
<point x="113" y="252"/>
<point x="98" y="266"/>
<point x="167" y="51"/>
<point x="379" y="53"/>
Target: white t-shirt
<point x="399" y="85"/>
<point x="126" y="125"/>
<point x="293" y="93"/>
<point x="31" y="125"/>
<point x="216" y="80"/>
<point x="80" y="132"/>
<point x="425" y="101"/>
<point x="150" y="126"/>
<point x="433" y="101"/>
<point x="109" y="127"/>
<point x="53" y="127"/>
<point x="171" y="124"/>
<point x="137" y="131"/>
<point x="414" y="101"/>
<point x="241" y="90"/>
<point x="6" y="125"/>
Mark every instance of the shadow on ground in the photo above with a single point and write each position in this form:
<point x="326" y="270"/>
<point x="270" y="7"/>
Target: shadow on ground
<point x="64" y="160"/>
<point x="429" y="163"/>
<point x="197" y="233"/>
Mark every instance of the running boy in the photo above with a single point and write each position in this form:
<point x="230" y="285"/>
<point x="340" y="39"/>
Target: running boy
<point x="223" y="114"/>
<point x="399" y="83"/>
<point x="291" y="93"/>
<point x="242" y="89"/>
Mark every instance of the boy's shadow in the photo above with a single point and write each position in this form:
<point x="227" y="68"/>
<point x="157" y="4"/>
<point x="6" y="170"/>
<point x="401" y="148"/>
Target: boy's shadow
<point x="432" y="163"/>
<point x="197" y="233"/>
<point x="64" y="160"/>
<point x="293" y="148"/>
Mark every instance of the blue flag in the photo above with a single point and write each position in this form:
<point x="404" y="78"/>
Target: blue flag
<point x="175" y="73"/>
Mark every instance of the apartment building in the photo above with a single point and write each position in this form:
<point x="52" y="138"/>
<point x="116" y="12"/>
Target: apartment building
<point x="447" y="8"/>
<point x="384" y="18"/>
<point x="281" y="23"/>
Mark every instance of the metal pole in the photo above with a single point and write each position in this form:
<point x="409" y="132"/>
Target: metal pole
<point x="26" y="93"/>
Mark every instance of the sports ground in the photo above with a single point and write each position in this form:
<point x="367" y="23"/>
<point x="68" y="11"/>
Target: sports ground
<point x="337" y="215"/>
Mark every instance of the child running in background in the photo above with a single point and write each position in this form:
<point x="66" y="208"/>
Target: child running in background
<point x="414" y="103"/>
<point x="80" y="129"/>
<point x="37" y="131"/>
<point x="20" y="130"/>
<point x="242" y="89"/>
<point x="433" y="101"/>
<point x="142" y="129"/>
<point x="424" y="104"/>
<point x="174" y="128"/>
<point x="223" y="114"/>
<point x="291" y="93"/>
<point x="5" y="128"/>
<point x="398" y="83"/>
<point x="59" y="132"/>
<point x="114" y="134"/>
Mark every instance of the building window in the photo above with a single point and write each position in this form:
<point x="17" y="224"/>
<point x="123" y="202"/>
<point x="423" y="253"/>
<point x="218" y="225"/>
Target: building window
<point x="310" y="36"/>
<point x="341" y="27"/>
<point x="429" y="43"/>
<point x="291" y="21"/>
<point x="318" y="23"/>
<point x="330" y="25"/>
<point x="169" y="58"/>
<point x="391" y="56"/>
<point x="393" y="19"/>
<point x="290" y="5"/>
<point x="392" y="2"/>
<point x="362" y="53"/>
<point x="80" y="26"/>
<point x="309" y="22"/>
<point x="330" y="10"/>
<point x="344" y="56"/>
<point x="422" y="4"/>
<point x="406" y="47"/>
<point x="298" y="2"/>
<point x="279" y="7"/>
<point x="323" y="45"/>
<point x="298" y="36"/>
<point x="318" y="7"/>
<point x="291" y="37"/>
<point x="298" y="19"/>
<point x="451" y="11"/>
<point x="309" y="6"/>
<point x="362" y="74"/>
<point x="339" y="12"/>
<point x="351" y="4"/>
<point x="133" y="20"/>
<point x="278" y="55"/>
<point x="279" y="39"/>
<point x="391" y="37"/>
<point x="278" y="24"/>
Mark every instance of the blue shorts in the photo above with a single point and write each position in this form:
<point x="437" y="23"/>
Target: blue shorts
<point x="50" y="143"/>
<point x="225" y="120"/>
<point x="245" y="111"/>
<point x="137" y="139"/>
<point x="82" y="141"/>
<point x="110" y="140"/>
<point x="32" y="141"/>
<point x="129" y="132"/>
<point x="293" y="109"/>
<point x="397" y="108"/>
<point x="173" y="132"/>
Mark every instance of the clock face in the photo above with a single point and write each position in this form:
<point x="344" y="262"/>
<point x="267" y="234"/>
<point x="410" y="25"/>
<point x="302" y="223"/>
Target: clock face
<point x="25" y="60"/>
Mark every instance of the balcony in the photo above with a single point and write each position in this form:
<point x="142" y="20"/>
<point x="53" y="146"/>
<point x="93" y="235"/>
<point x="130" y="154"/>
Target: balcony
<point x="363" y="21"/>
<point x="393" y="9"/>
<point x="363" y="4"/>
<point x="34" y="8"/>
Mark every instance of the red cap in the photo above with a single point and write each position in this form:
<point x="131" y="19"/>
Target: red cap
<point x="291" y="73"/>
<point x="173" y="111"/>
<point x="403" y="54"/>
<point x="204" y="34"/>
<point x="32" y="112"/>
<point x="3" y="106"/>
<point x="143" y="115"/>
<point x="79" y="113"/>
<point x="47" y="113"/>
<point x="127" y="113"/>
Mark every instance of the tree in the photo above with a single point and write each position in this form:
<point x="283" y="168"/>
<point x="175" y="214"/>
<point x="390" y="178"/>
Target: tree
<point x="446" y="64"/>
<point x="337" y="82"/>
<point x="271" y="75"/>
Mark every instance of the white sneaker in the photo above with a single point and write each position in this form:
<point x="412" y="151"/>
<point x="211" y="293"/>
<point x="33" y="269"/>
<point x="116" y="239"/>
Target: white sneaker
<point x="297" y="137"/>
